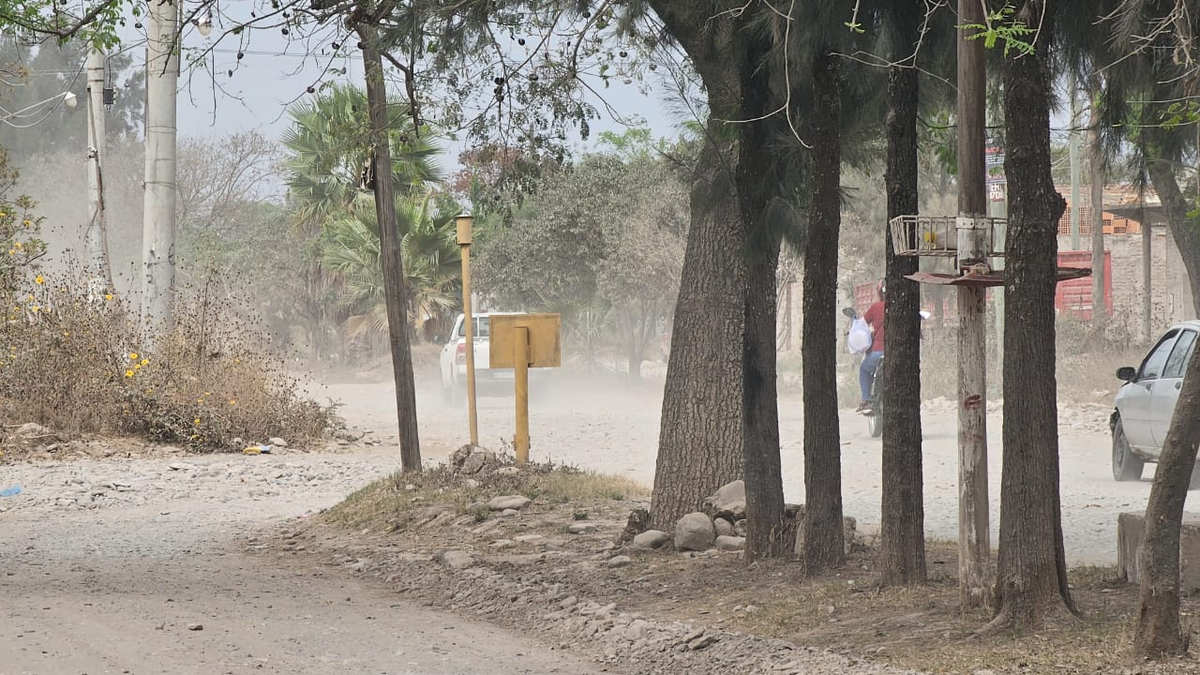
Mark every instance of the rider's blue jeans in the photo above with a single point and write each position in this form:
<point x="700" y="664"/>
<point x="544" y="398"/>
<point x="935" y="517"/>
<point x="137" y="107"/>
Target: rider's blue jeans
<point x="866" y="372"/>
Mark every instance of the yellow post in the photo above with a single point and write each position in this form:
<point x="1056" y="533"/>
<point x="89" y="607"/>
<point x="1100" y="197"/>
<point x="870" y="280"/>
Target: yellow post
<point x="521" y="377"/>
<point x="463" y="227"/>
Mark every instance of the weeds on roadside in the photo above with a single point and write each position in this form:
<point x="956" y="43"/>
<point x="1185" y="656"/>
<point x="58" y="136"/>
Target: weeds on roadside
<point x="74" y="360"/>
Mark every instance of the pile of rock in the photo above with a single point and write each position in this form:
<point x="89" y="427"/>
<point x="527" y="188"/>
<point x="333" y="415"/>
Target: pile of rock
<point x="472" y="460"/>
<point x="722" y="525"/>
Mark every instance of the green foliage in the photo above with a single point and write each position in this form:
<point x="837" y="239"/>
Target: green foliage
<point x="329" y="142"/>
<point x="21" y="245"/>
<point x="97" y="22"/>
<point x="1002" y="26"/>
<point x="601" y="242"/>
<point x="351" y="250"/>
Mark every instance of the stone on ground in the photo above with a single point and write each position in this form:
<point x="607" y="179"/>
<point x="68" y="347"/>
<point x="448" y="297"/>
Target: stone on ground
<point x="727" y="543"/>
<point x="619" y="561"/>
<point x="651" y="539"/>
<point x="582" y="528"/>
<point x="729" y="501"/>
<point x="456" y="560"/>
<point x="723" y="527"/>
<point x="694" y="532"/>
<point x="504" y="503"/>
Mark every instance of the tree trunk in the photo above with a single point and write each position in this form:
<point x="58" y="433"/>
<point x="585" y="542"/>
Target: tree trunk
<point x="1159" y="632"/>
<point x="1031" y="579"/>
<point x="395" y="292"/>
<point x="700" y="434"/>
<point x="902" y="525"/>
<point x="824" y="539"/>
<point x="1183" y="228"/>
<point x="756" y="187"/>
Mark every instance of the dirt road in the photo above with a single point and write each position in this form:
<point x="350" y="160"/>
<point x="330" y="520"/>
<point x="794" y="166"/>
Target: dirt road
<point x="615" y="430"/>
<point x="112" y="567"/>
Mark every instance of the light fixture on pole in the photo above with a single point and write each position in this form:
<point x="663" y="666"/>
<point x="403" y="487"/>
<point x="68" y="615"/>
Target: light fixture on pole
<point x="463" y="225"/>
<point x="70" y="99"/>
<point x="204" y="24"/>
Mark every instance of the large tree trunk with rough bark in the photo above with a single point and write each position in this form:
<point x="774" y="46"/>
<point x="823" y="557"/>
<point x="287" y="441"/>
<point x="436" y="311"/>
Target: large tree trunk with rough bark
<point x="1185" y="230"/>
<point x="1159" y="632"/>
<point x="824" y="539"/>
<point x="1031" y="577"/>
<point x="701" y="432"/>
<point x="700" y="435"/>
<point x="757" y="185"/>
<point x="902" y="525"/>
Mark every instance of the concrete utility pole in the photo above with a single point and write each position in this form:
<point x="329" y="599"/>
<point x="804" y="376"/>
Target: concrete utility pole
<point x="158" y="225"/>
<point x="96" y="233"/>
<point x="974" y="535"/>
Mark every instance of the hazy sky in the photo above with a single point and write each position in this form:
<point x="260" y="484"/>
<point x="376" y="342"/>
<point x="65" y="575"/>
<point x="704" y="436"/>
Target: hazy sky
<point x="274" y="73"/>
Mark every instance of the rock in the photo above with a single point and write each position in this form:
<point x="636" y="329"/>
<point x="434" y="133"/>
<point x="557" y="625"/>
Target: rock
<point x="32" y="429"/>
<point x="508" y="513"/>
<point x="619" y="561"/>
<point x="508" y="471"/>
<point x="639" y="522"/>
<point x="471" y="483"/>
<point x="694" y="532"/>
<point x="651" y="539"/>
<point x="195" y="626"/>
<point x="723" y="527"/>
<point x="455" y="560"/>
<point x="477" y="460"/>
<point x="277" y="442"/>
<point x="729" y="501"/>
<point x="727" y="543"/>
<point x="515" y="502"/>
<point x="741" y="527"/>
<point x="180" y="466"/>
<point x="636" y="630"/>
<point x="582" y="528"/>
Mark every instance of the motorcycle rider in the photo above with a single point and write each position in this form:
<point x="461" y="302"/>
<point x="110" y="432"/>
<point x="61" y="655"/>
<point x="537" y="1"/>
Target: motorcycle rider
<point x="870" y="363"/>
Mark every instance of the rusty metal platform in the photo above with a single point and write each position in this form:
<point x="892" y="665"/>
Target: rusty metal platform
<point x="988" y="279"/>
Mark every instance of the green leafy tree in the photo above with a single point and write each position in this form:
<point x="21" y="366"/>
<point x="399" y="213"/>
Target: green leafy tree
<point x="603" y="236"/>
<point x="431" y="263"/>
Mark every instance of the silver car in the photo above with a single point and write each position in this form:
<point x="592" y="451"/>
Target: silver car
<point x="1146" y="402"/>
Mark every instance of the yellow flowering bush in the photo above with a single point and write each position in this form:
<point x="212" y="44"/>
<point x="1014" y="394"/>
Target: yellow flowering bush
<point x="78" y="362"/>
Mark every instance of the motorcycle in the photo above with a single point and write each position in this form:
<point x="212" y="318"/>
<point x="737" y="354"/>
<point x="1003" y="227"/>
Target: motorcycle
<point x="859" y="345"/>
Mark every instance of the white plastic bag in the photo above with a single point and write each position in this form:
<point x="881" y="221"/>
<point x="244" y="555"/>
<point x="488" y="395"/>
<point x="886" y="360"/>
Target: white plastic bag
<point x="858" y="341"/>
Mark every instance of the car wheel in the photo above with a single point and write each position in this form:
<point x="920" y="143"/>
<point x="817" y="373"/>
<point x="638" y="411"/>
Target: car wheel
<point x="1126" y="466"/>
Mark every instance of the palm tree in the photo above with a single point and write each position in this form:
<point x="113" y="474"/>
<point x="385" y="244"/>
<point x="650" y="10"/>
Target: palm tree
<point x="329" y="143"/>
<point x="431" y="263"/>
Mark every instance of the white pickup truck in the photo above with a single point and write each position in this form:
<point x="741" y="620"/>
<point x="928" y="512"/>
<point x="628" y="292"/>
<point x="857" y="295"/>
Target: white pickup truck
<point x="453" y="361"/>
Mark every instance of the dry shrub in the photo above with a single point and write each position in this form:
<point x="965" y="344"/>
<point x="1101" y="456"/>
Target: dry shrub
<point x="75" y="360"/>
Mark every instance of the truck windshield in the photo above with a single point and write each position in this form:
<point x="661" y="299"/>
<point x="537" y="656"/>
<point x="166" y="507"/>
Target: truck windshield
<point x="481" y="327"/>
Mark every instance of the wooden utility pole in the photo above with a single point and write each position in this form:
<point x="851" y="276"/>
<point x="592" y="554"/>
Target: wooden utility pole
<point x="463" y="230"/>
<point x="395" y="287"/>
<point x="974" y="539"/>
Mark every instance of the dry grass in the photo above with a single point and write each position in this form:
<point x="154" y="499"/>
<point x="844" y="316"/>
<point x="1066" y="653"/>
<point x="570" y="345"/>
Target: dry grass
<point x="75" y="360"/>
<point x="395" y="502"/>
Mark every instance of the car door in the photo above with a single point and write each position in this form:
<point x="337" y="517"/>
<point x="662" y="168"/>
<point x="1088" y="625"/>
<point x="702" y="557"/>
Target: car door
<point x="1133" y="401"/>
<point x="1166" y="390"/>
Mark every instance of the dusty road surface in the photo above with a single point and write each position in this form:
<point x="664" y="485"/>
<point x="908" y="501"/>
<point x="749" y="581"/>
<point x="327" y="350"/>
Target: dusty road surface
<point x="132" y="566"/>
<point x="614" y="428"/>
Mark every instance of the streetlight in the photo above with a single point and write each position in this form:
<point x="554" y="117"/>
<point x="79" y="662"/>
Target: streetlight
<point x="463" y="224"/>
<point x="67" y="98"/>
<point x="204" y="24"/>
